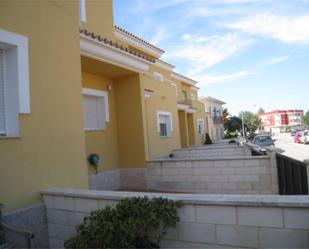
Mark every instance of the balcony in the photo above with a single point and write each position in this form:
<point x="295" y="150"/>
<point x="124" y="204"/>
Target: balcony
<point x="218" y="120"/>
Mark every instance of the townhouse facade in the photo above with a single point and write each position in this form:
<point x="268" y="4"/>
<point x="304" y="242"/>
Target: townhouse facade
<point x="73" y="85"/>
<point x="214" y="112"/>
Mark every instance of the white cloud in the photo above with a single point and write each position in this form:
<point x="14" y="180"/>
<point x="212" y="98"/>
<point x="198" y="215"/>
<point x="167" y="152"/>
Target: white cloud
<point x="158" y="36"/>
<point x="282" y="28"/>
<point x="207" y="79"/>
<point x="276" y="60"/>
<point x="203" y="52"/>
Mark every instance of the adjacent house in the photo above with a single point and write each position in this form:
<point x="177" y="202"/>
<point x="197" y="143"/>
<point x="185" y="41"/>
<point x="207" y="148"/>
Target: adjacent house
<point x="74" y="84"/>
<point x="214" y="110"/>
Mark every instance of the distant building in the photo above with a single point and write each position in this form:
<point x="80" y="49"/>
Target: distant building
<point x="214" y="111"/>
<point x="279" y="120"/>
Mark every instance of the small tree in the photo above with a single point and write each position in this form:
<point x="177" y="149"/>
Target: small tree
<point x="306" y="118"/>
<point x="260" y="110"/>
<point x="208" y="140"/>
<point x="251" y="121"/>
<point x="136" y="222"/>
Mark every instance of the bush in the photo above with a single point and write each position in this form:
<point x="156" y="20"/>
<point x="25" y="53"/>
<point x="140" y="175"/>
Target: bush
<point x="128" y="225"/>
<point x="232" y="141"/>
<point x="208" y="140"/>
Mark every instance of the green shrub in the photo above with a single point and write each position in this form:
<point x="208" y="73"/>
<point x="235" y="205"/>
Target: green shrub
<point x="208" y="140"/>
<point x="232" y="141"/>
<point x="129" y="225"/>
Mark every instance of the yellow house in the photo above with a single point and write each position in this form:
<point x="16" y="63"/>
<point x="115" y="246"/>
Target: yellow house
<point x="65" y="95"/>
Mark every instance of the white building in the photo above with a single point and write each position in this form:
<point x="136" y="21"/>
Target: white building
<point x="214" y="110"/>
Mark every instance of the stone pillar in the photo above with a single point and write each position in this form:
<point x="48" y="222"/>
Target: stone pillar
<point x="272" y="151"/>
<point x="306" y="161"/>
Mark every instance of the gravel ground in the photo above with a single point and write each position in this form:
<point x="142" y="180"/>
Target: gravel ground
<point x="297" y="151"/>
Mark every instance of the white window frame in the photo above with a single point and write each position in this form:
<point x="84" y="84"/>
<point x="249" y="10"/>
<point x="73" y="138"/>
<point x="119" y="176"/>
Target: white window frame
<point x="158" y="76"/>
<point x="169" y="127"/>
<point x="202" y="122"/>
<point x="82" y="11"/>
<point x="98" y="94"/>
<point x="16" y="70"/>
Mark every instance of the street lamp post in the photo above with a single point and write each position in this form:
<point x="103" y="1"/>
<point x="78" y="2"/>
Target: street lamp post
<point x="243" y="126"/>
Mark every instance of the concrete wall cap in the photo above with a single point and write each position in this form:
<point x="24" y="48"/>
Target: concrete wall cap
<point x="214" y="199"/>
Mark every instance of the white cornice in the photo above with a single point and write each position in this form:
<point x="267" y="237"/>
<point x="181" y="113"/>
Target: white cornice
<point x="183" y="107"/>
<point x="212" y="100"/>
<point x="138" y="44"/>
<point x="164" y="65"/>
<point x="183" y="78"/>
<point x="110" y="54"/>
<point x="191" y="110"/>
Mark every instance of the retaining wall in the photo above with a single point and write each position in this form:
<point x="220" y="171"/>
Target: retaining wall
<point x="206" y="221"/>
<point x="229" y="175"/>
<point x="211" y="151"/>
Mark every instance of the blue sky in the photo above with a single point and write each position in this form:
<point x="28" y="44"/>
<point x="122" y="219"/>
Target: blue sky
<point x="248" y="53"/>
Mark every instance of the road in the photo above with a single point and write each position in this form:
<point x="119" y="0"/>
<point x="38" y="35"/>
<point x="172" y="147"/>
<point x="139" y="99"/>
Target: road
<point x="291" y="149"/>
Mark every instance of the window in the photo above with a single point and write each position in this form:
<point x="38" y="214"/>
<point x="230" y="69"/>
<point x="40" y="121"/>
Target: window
<point x="193" y="96"/>
<point x="200" y="126"/>
<point x="14" y="81"/>
<point x="96" y="111"/>
<point x="82" y="10"/>
<point x="184" y="95"/>
<point x="165" y="126"/>
<point x="158" y="76"/>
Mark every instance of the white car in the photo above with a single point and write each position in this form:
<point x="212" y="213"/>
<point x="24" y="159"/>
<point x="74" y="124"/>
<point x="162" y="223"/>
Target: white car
<point x="305" y="138"/>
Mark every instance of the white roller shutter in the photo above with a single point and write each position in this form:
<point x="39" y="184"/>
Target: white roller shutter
<point x="2" y="95"/>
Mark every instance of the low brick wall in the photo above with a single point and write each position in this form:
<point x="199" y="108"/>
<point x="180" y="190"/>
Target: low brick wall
<point x="211" y="151"/>
<point x="229" y="175"/>
<point x="129" y="178"/>
<point x="206" y="221"/>
<point x="32" y="218"/>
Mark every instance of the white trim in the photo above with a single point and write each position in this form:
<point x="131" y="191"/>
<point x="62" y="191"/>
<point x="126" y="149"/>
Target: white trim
<point x="11" y="40"/>
<point x="104" y="52"/>
<point x="137" y="43"/>
<point x="183" y="107"/>
<point x="82" y="10"/>
<point x="183" y="78"/>
<point x="212" y="100"/>
<point x="163" y="113"/>
<point x="164" y="65"/>
<point x="97" y="93"/>
<point x="158" y="76"/>
<point x="191" y="110"/>
<point x="201" y="120"/>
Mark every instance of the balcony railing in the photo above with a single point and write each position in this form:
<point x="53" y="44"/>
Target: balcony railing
<point x="218" y="120"/>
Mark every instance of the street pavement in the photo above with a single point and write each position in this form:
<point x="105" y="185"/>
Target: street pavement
<point x="291" y="149"/>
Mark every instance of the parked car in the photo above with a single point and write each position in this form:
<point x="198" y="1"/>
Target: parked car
<point x="305" y="137"/>
<point x="297" y="137"/>
<point x="263" y="140"/>
<point x="293" y="133"/>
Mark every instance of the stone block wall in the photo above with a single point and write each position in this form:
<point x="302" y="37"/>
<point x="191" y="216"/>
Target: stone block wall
<point x="211" y="151"/>
<point x="234" y="175"/>
<point x="130" y="178"/>
<point x="206" y="221"/>
<point x="32" y="218"/>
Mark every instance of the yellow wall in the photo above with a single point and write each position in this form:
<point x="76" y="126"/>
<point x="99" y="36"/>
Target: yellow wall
<point x="162" y="99"/>
<point x="191" y="128"/>
<point x="103" y="142"/>
<point x="50" y="151"/>
<point x="130" y="122"/>
<point x="183" y="127"/>
<point x="99" y="18"/>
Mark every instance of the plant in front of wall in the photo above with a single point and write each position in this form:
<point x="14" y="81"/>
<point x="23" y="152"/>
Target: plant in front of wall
<point x="137" y="222"/>
<point x="208" y="140"/>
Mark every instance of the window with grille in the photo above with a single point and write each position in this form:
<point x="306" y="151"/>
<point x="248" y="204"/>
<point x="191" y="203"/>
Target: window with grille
<point x="2" y="96"/>
<point x="14" y="81"/>
<point x="96" y="112"/>
<point x="200" y="126"/>
<point x="165" y="126"/>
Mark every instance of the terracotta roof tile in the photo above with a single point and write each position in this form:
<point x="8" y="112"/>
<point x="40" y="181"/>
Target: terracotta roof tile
<point x="114" y="44"/>
<point x="136" y="37"/>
